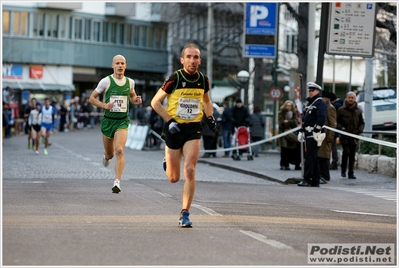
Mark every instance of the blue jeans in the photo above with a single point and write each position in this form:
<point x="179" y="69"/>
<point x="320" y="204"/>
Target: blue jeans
<point x="226" y="140"/>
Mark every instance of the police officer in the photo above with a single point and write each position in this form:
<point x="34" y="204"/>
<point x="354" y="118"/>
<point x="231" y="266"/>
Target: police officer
<point x="313" y="134"/>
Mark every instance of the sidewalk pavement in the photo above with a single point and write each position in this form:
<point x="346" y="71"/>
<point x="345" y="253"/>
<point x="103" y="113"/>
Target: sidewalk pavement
<point x="267" y="166"/>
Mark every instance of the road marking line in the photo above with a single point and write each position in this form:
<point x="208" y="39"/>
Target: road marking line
<point x="165" y="194"/>
<point x="264" y="239"/>
<point x="363" y="213"/>
<point x="206" y="210"/>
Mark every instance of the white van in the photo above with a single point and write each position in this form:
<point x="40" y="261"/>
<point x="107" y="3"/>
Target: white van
<point x="384" y="107"/>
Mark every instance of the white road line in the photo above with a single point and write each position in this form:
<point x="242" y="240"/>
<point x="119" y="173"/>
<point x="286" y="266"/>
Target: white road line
<point x="165" y="194"/>
<point x="206" y="210"/>
<point x="265" y="240"/>
<point x="363" y="213"/>
<point x="386" y="194"/>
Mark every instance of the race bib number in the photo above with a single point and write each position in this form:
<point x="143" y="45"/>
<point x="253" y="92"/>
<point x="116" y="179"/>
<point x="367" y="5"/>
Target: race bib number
<point x="120" y="104"/>
<point x="188" y="108"/>
<point x="47" y="118"/>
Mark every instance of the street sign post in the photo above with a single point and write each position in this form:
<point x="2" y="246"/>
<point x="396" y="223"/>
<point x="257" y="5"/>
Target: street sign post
<point x="260" y="26"/>
<point x="351" y="29"/>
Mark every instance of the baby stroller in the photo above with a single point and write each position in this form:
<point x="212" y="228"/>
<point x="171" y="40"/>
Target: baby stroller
<point x="242" y="137"/>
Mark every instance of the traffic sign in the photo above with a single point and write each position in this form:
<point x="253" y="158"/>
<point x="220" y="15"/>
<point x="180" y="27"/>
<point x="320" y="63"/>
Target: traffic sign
<point x="260" y="26"/>
<point x="275" y="93"/>
<point x="351" y="29"/>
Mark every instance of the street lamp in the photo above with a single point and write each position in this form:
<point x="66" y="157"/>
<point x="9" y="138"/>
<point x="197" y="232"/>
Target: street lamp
<point x="243" y="77"/>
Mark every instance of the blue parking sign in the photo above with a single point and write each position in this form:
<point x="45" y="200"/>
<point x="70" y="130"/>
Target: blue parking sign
<point x="260" y="30"/>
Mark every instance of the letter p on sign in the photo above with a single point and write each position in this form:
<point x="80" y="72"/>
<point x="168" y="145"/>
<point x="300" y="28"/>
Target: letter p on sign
<point x="257" y="13"/>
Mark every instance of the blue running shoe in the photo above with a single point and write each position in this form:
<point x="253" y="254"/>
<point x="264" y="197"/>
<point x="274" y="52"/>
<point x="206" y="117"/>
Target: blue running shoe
<point x="164" y="164"/>
<point x="184" y="221"/>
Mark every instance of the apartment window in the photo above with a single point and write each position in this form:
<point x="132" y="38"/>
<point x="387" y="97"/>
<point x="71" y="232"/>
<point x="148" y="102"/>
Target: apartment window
<point x="121" y="33"/>
<point x="6" y="22"/>
<point x="158" y="37"/>
<point x="20" y="23"/>
<point x="97" y="31"/>
<point x="136" y="35"/>
<point x="113" y="29"/>
<point x="78" y="29"/>
<point x="38" y="24"/>
<point x="87" y="27"/>
<point x="52" y="25"/>
<point x="128" y="34"/>
<point x="291" y="43"/>
<point x="150" y="36"/>
<point x="144" y="34"/>
<point x="105" y="32"/>
<point x="63" y="26"/>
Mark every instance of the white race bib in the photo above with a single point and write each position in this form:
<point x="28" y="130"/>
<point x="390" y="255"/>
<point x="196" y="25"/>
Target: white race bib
<point x="188" y="108"/>
<point x="120" y="104"/>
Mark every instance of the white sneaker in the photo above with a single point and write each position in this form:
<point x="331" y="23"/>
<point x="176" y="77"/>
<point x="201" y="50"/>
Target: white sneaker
<point x="106" y="161"/>
<point x="117" y="187"/>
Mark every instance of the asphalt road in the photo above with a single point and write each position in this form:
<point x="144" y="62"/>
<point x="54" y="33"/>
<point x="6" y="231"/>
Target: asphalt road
<point x="59" y="210"/>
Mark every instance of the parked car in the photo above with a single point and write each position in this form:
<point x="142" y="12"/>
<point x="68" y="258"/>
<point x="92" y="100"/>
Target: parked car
<point x="384" y="107"/>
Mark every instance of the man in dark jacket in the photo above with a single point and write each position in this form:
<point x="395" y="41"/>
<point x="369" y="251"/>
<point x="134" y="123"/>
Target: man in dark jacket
<point x="314" y="118"/>
<point x="240" y="116"/>
<point x="349" y="119"/>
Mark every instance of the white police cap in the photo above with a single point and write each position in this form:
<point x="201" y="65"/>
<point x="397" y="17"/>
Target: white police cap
<point x="312" y="85"/>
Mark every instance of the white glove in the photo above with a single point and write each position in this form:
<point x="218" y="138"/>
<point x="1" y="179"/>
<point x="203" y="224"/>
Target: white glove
<point x="301" y="136"/>
<point x="319" y="137"/>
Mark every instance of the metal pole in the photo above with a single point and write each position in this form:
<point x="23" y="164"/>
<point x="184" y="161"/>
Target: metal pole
<point x="275" y="81"/>
<point x="350" y="75"/>
<point x="209" y="62"/>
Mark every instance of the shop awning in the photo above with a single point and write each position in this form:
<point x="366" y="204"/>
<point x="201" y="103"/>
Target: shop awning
<point x="37" y="86"/>
<point x="218" y="94"/>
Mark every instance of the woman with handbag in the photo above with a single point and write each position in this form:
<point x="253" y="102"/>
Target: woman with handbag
<point x="288" y="119"/>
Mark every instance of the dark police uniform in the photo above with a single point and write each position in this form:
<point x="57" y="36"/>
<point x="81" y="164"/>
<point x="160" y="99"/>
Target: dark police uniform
<point x="313" y="121"/>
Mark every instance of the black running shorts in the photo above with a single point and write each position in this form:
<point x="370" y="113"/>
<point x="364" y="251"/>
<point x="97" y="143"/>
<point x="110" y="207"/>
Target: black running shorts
<point x="190" y="131"/>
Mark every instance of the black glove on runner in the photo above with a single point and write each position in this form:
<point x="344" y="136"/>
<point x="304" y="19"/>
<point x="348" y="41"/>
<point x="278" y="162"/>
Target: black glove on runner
<point x="211" y="123"/>
<point x="173" y="126"/>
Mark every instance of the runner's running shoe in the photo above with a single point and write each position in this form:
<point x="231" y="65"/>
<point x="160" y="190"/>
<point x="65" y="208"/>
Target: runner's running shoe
<point x="36" y="152"/>
<point x="117" y="187"/>
<point x="106" y="161"/>
<point x="184" y="221"/>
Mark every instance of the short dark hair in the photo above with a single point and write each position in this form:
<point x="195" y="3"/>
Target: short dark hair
<point x="189" y="45"/>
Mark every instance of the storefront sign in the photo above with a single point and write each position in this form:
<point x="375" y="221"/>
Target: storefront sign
<point x="12" y="71"/>
<point x="36" y="72"/>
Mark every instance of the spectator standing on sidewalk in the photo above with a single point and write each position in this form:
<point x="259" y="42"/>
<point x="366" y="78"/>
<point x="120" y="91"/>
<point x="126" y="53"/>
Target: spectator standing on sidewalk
<point x="325" y="148"/>
<point x="288" y="119"/>
<point x="64" y="114"/>
<point x="187" y="92"/>
<point x="349" y="119"/>
<point x="240" y="116"/>
<point x="227" y="127"/>
<point x="118" y="92"/>
<point x="257" y="129"/>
